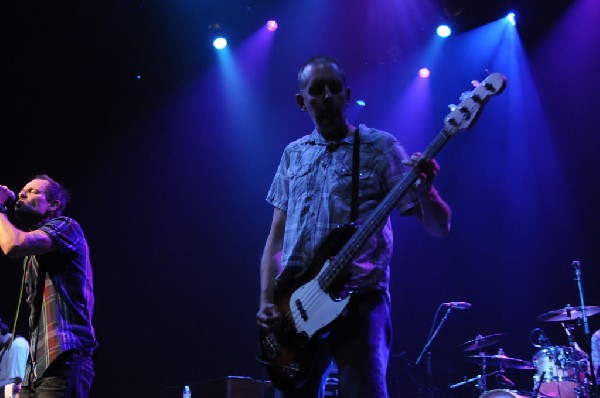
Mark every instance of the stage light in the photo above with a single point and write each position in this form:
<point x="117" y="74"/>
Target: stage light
<point x="220" y="43"/>
<point x="443" y="31"/>
<point x="272" y="26"/>
<point x="361" y="102"/>
<point x="424" y="73"/>
<point x="511" y="18"/>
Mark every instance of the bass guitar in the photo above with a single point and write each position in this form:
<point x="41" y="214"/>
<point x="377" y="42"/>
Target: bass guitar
<point x="311" y="300"/>
<point x="9" y="391"/>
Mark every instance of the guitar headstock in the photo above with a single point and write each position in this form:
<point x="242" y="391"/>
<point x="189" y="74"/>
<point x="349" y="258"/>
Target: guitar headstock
<point x="465" y="114"/>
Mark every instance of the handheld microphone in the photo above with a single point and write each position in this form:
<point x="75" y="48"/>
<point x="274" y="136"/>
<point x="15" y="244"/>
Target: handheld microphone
<point x="459" y="305"/>
<point x="11" y="197"/>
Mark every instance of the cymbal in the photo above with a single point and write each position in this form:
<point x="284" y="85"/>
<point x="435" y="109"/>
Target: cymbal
<point x="568" y="313"/>
<point x="500" y="361"/>
<point x="482" y="341"/>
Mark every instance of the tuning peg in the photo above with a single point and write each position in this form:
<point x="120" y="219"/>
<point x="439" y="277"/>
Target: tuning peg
<point x="452" y="107"/>
<point x="465" y="95"/>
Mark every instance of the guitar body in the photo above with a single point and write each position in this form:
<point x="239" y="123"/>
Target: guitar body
<point x="9" y="392"/>
<point x="288" y="350"/>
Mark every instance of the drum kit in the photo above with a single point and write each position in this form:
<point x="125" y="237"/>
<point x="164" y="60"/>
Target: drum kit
<point x="560" y="372"/>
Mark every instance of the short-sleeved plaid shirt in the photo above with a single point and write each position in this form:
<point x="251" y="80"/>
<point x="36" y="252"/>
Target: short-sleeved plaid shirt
<point x="313" y="185"/>
<point x="63" y="301"/>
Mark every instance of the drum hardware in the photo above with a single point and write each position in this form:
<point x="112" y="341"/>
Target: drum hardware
<point x="499" y="360"/>
<point x="565" y="372"/>
<point x="504" y="382"/>
<point x="481" y="342"/>
<point x="572" y="341"/>
<point x="539" y="385"/>
<point x="477" y="379"/>
<point x="557" y="373"/>
<point x="538" y="338"/>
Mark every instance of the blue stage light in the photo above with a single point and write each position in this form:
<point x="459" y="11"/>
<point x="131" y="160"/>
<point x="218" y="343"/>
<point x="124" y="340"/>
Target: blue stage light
<point x="220" y="43"/>
<point x="444" y="31"/>
<point x="511" y="18"/>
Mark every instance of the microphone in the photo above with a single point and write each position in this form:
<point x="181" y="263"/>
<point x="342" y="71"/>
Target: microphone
<point x="459" y="305"/>
<point x="11" y="197"/>
<point x="538" y="338"/>
<point x="576" y="264"/>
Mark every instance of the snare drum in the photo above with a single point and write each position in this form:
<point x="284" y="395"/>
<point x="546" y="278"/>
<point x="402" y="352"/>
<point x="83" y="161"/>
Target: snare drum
<point x="504" y="394"/>
<point x="557" y="373"/>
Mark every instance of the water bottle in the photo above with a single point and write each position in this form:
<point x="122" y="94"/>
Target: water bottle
<point x="187" y="393"/>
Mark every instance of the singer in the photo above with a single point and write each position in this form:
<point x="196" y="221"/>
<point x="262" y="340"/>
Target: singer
<point x="311" y="199"/>
<point x="55" y="252"/>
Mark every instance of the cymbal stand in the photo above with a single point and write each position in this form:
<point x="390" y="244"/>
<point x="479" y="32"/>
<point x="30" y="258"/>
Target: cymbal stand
<point x="482" y="382"/>
<point x="586" y="327"/>
<point x="480" y="379"/>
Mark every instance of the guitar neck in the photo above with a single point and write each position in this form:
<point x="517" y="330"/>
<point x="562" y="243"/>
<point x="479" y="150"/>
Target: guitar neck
<point x="461" y="116"/>
<point x="376" y="219"/>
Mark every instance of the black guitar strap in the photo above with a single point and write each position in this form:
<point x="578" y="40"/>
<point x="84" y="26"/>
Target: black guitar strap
<point x="355" y="171"/>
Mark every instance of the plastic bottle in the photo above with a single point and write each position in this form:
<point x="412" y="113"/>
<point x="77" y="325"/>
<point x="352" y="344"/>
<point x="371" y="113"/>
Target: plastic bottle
<point x="187" y="393"/>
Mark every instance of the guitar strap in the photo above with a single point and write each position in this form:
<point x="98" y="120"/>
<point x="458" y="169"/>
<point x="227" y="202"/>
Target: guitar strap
<point x="355" y="170"/>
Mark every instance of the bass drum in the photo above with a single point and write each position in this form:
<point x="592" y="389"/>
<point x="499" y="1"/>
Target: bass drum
<point x="504" y="394"/>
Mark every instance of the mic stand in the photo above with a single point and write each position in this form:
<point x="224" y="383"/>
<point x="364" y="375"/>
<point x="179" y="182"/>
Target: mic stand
<point x="429" y="367"/>
<point x="433" y="336"/>
<point x="586" y="327"/>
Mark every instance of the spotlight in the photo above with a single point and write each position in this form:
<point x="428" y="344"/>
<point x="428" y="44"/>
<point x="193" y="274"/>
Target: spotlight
<point x="443" y="31"/>
<point x="511" y="18"/>
<point x="361" y="102"/>
<point x="424" y="73"/>
<point x="272" y="26"/>
<point x="220" y="43"/>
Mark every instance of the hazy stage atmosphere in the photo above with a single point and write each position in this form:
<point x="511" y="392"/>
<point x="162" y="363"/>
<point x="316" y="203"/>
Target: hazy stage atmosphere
<point x="169" y="147"/>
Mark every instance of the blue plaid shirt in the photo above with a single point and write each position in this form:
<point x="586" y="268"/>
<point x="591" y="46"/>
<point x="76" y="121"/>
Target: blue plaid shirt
<point x="313" y="185"/>
<point x="63" y="301"/>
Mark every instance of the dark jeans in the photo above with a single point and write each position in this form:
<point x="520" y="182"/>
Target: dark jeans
<point x="359" y="343"/>
<point x="69" y="376"/>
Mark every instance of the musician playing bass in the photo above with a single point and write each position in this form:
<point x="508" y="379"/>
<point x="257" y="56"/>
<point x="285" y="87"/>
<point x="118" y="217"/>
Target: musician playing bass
<point x="312" y="194"/>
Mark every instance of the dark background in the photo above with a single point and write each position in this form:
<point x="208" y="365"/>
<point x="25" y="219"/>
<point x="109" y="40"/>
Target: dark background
<point x="124" y="102"/>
